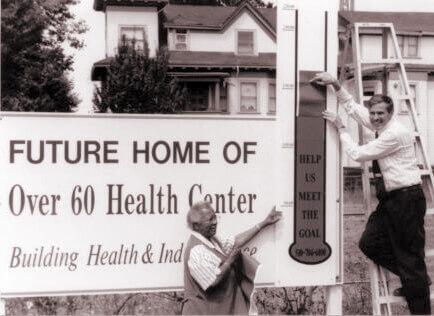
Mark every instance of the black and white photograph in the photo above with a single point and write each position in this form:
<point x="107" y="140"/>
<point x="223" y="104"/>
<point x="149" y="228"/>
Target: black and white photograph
<point x="217" y="157"/>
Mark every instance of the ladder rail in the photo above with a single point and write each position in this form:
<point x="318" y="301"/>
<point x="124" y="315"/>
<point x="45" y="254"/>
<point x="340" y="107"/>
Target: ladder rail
<point x="359" y="94"/>
<point x="412" y="106"/>
<point x="366" y="186"/>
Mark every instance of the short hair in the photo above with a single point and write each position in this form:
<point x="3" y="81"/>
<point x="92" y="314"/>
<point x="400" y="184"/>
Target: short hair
<point x="381" y="98"/>
<point x="195" y="213"/>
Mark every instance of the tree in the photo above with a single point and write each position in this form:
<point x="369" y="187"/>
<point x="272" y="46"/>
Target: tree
<point x="34" y="64"/>
<point x="136" y="83"/>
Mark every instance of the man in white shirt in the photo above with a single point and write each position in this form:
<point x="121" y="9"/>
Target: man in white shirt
<point x="217" y="278"/>
<point x="394" y="236"/>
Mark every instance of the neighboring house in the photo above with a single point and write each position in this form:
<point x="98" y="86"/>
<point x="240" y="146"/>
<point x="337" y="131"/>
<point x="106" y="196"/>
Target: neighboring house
<point x="415" y="33"/>
<point x="225" y="56"/>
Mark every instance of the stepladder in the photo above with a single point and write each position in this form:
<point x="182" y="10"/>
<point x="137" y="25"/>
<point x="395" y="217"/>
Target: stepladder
<point x="388" y="70"/>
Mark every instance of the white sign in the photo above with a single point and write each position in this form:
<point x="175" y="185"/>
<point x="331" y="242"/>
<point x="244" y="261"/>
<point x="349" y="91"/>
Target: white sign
<point x="99" y="203"/>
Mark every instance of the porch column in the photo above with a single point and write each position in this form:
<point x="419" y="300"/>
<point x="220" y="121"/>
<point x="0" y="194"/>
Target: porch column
<point x="217" y="96"/>
<point x="210" y="100"/>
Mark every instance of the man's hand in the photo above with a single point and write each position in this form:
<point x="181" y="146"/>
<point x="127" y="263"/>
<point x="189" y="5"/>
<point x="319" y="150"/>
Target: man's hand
<point x="272" y="217"/>
<point x="233" y="255"/>
<point x="334" y="119"/>
<point x="324" y="78"/>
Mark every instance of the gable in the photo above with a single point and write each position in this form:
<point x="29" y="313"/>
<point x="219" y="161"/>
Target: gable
<point x="216" y="18"/>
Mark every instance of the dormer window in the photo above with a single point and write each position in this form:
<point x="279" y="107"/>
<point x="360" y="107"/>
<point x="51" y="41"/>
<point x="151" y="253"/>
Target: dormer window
<point x="245" y="42"/>
<point x="133" y="36"/>
<point x="181" y="40"/>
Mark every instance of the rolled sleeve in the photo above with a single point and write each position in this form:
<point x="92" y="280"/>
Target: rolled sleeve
<point x="203" y="266"/>
<point x="376" y="149"/>
<point x="227" y="243"/>
<point x="356" y="111"/>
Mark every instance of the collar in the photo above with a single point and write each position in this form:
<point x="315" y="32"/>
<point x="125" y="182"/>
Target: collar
<point x="202" y="239"/>
<point x="390" y="123"/>
<point x="207" y="242"/>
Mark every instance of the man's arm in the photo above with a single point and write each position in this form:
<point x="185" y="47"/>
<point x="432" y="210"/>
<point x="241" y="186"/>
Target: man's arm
<point x="207" y="269"/>
<point x="376" y="149"/>
<point x="356" y="111"/>
<point x="379" y="148"/>
<point x="243" y="238"/>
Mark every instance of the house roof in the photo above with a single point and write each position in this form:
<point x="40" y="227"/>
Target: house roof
<point x="216" y="17"/>
<point x="421" y="22"/>
<point x="204" y="60"/>
<point x="221" y="60"/>
<point x="100" y="5"/>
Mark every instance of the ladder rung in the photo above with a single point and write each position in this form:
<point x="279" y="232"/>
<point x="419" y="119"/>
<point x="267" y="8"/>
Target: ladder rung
<point x="425" y="172"/>
<point x="429" y="253"/>
<point x="389" y="61"/>
<point x="373" y="25"/>
<point x="430" y="211"/>
<point x="404" y="97"/>
<point x="397" y="299"/>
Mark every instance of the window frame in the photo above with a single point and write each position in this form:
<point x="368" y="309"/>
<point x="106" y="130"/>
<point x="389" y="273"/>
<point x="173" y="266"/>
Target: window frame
<point x="271" y="82"/>
<point x="133" y="26"/>
<point x="237" y="48"/>
<point x="175" y="39"/>
<point x="247" y="81"/>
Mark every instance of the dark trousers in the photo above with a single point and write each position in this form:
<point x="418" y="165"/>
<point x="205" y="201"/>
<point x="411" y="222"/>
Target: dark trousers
<point x="394" y="238"/>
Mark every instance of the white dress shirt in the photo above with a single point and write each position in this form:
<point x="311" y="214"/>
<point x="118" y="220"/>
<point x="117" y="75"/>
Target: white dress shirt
<point x="203" y="263"/>
<point x="394" y="147"/>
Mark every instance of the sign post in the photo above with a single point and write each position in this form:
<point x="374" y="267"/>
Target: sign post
<point x="309" y="152"/>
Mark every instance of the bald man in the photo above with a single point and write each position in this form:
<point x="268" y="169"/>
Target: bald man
<point x="213" y="278"/>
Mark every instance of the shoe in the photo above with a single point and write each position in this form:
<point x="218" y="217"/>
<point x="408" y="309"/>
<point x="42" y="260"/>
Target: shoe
<point x="398" y="292"/>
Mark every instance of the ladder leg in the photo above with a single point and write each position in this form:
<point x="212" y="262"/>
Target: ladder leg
<point x="375" y="289"/>
<point x="385" y="282"/>
<point x="334" y="300"/>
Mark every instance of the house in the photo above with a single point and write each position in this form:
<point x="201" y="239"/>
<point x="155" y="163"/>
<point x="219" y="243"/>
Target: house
<point x="224" y="56"/>
<point x="415" y="34"/>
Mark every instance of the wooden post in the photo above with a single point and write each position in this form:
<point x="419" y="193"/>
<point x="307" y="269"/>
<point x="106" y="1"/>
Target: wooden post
<point x="2" y="307"/>
<point x="334" y="300"/>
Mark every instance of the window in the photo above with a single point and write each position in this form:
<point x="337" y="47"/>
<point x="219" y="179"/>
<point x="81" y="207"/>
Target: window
<point x="272" y="98"/>
<point x="180" y="40"/>
<point x="245" y="43"/>
<point x="133" y="36"/>
<point x="409" y="45"/>
<point x="198" y="93"/>
<point x="249" y="97"/>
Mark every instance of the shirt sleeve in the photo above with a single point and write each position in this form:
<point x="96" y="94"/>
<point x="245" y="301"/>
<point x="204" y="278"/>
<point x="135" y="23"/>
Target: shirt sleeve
<point x="379" y="148"/>
<point x="203" y="266"/>
<point x="356" y="111"/>
<point x="227" y="243"/>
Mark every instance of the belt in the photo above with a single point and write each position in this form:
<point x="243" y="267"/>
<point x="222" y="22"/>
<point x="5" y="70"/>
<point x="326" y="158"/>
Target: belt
<point x="406" y="189"/>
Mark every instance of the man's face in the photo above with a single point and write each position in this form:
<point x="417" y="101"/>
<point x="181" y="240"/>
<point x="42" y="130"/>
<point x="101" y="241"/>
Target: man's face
<point x="207" y="227"/>
<point x="379" y="116"/>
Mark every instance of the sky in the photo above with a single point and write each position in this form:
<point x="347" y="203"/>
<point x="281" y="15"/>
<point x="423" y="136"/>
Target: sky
<point x="94" y="40"/>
